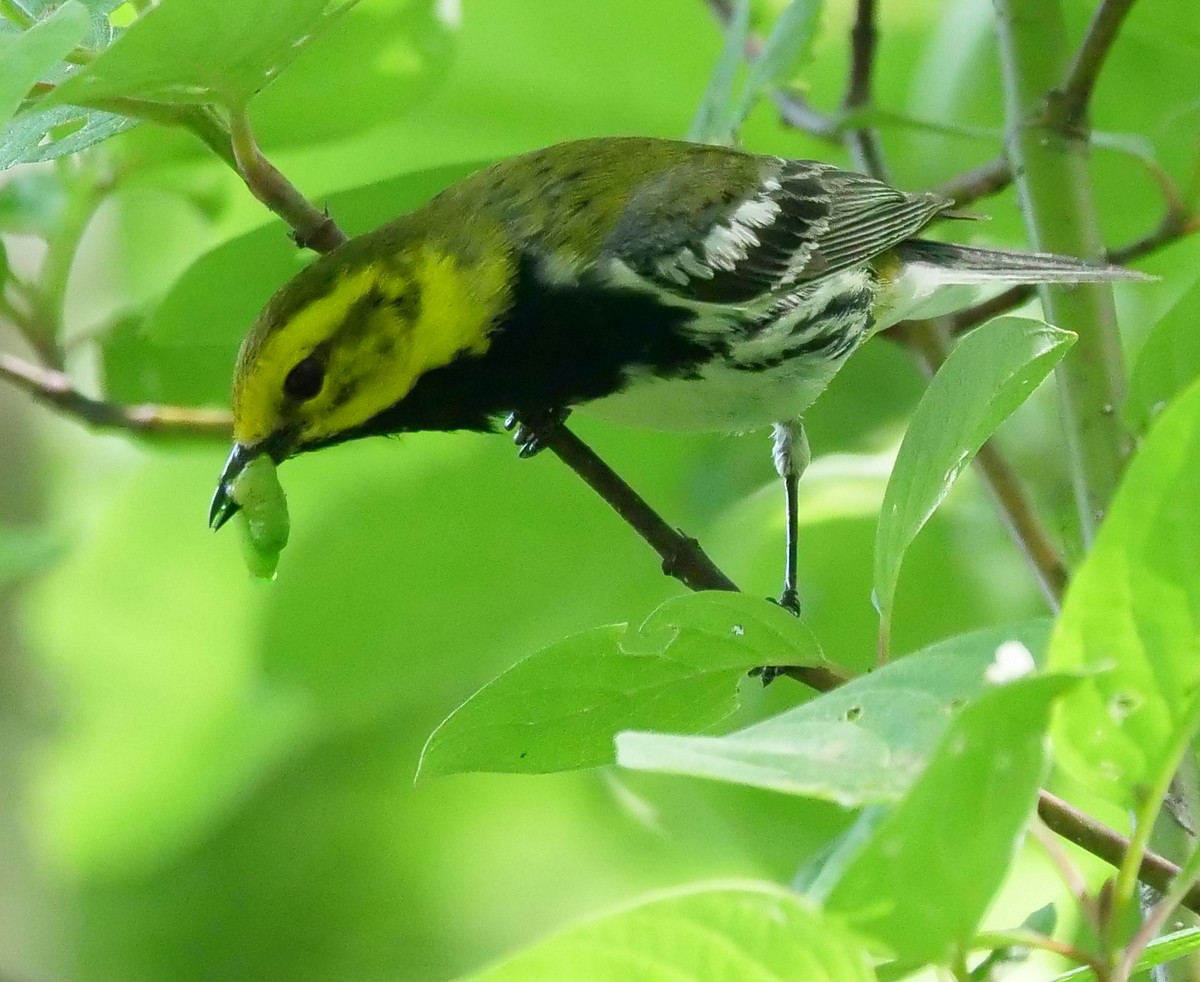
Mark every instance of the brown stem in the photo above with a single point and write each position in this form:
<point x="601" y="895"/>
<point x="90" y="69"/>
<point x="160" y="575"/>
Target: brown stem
<point x="981" y="182"/>
<point x="312" y="228"/>
<point x="863" y="142"/>
<point x="53" y="388"/>
<point x="1076" y="93"/>
<point x="1109" y="845"/>
<point x="681" y="556"/>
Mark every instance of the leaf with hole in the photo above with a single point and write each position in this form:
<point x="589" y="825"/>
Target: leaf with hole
<point x="921" y="883"/>
<point x="1132" y="615"/>
<point x="863" y="743"/>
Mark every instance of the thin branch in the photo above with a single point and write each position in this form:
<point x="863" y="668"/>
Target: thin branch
<point x="1094" y="837"/>
<point x="980" y="182"/>
<point x="1075" y="96"/>
<point x="863" y="142"/>
<point x="53" y="388"/>
<point x="681" y="556"/>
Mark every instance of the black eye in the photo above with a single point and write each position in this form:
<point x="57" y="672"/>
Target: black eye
<point x="305" y="380"/>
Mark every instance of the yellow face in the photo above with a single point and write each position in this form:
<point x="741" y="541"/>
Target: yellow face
<point x="316" y="368"/>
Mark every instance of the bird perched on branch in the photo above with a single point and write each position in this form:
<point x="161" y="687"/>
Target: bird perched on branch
<point x="654" y="283"/>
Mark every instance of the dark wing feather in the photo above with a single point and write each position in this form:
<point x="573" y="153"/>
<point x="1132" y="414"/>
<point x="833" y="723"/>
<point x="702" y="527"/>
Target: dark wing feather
<point x="805" y="221"/>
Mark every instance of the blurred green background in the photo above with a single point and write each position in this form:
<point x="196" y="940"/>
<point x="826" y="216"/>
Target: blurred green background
<point x="206" y="777"/>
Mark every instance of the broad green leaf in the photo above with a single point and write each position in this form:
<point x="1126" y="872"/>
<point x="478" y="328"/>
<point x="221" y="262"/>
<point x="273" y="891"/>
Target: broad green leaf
<point x="699" y="934"/>
<point x="560" y="708"/>
<point x="196" y="51"/>
<point x="921" y="884"/>
<point x="987" y="376"/>
<point x="712" y="122"/>
<point x="27" y="57"/>
<point x="396" y="52"/>
<point x="1168" y="948"/>
<point x="24" y="551"/>
<point x="1133" y="608"/>
<point x="1168" y="363"/>
<point x="863" y="743"/>
<point x="788" y="46"/>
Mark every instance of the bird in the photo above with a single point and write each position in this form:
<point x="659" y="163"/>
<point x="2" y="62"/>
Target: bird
<point x="655" y="283"/>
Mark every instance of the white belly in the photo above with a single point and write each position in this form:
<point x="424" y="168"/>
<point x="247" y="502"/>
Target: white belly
<point x="721" y="399"/>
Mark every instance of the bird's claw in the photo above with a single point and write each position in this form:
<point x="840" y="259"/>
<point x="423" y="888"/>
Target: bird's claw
<point x="529" y="429"/>
<point x="789" y="601"/>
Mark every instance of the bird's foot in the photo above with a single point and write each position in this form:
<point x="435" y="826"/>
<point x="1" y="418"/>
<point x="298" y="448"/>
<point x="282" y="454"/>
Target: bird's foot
<point x="530" y="428"/>
<point x="789" y="601"/>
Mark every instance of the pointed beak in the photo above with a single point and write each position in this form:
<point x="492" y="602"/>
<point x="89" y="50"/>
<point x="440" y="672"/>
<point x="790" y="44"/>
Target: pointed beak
<point x="223" y="506"/>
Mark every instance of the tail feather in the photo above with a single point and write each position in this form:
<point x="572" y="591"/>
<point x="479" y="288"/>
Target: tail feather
<point x="965" y="265"/>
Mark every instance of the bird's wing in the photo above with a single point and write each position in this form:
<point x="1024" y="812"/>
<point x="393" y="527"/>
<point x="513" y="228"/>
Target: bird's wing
<point x="805" y="220"/>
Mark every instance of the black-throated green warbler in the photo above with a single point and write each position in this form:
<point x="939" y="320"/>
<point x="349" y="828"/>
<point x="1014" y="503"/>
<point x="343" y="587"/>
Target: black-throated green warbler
<point x="660" y="284"/>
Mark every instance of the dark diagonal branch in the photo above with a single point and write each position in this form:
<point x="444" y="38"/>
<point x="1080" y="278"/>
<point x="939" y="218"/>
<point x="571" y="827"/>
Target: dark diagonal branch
<point x="863" y="141"/>
<point x="54" y="389"/>
<point x="681" y="556"/>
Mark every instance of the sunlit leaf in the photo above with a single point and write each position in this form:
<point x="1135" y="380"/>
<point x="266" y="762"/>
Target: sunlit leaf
<point x="195" y="51"/>
<point x="1168" y="363"/>
<point x="1133" y="610"/>
<point x="25" y="58"/>
<point x="987" y="376"/>
<point x="723" y="931"/>
<point x="559" y="709"/>
<point x="863" y="743"/>
<point x="921" y="883"/>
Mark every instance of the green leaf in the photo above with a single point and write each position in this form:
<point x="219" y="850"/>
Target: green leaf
<point x="395" y="51"/>
<point x="46" y="134"/>
<point x="560" y="708"/>
<point x="863" y="743"/>
<point x="32" y="202"/>
<point x="197" y="51"/>
<point x="700" y="934"/>
<point x="25" y="551"/>
<point x="713" y="120"/>
<point x="1133" y="608"/>
<point x="987" y="376"/>
<point x="26" y="57"/>
<point x="1168" y="363"/>
<point x="921" y="883"/>
<point x="1168" y="948"/>
<point x="788" y="47"/>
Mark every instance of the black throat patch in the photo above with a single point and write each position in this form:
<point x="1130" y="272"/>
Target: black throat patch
<point x="556" y="347"/>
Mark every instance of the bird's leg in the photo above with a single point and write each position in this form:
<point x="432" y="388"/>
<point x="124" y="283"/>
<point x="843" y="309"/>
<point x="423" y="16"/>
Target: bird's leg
<point x="792" y="455"/>
<point x="529" y="427"/>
